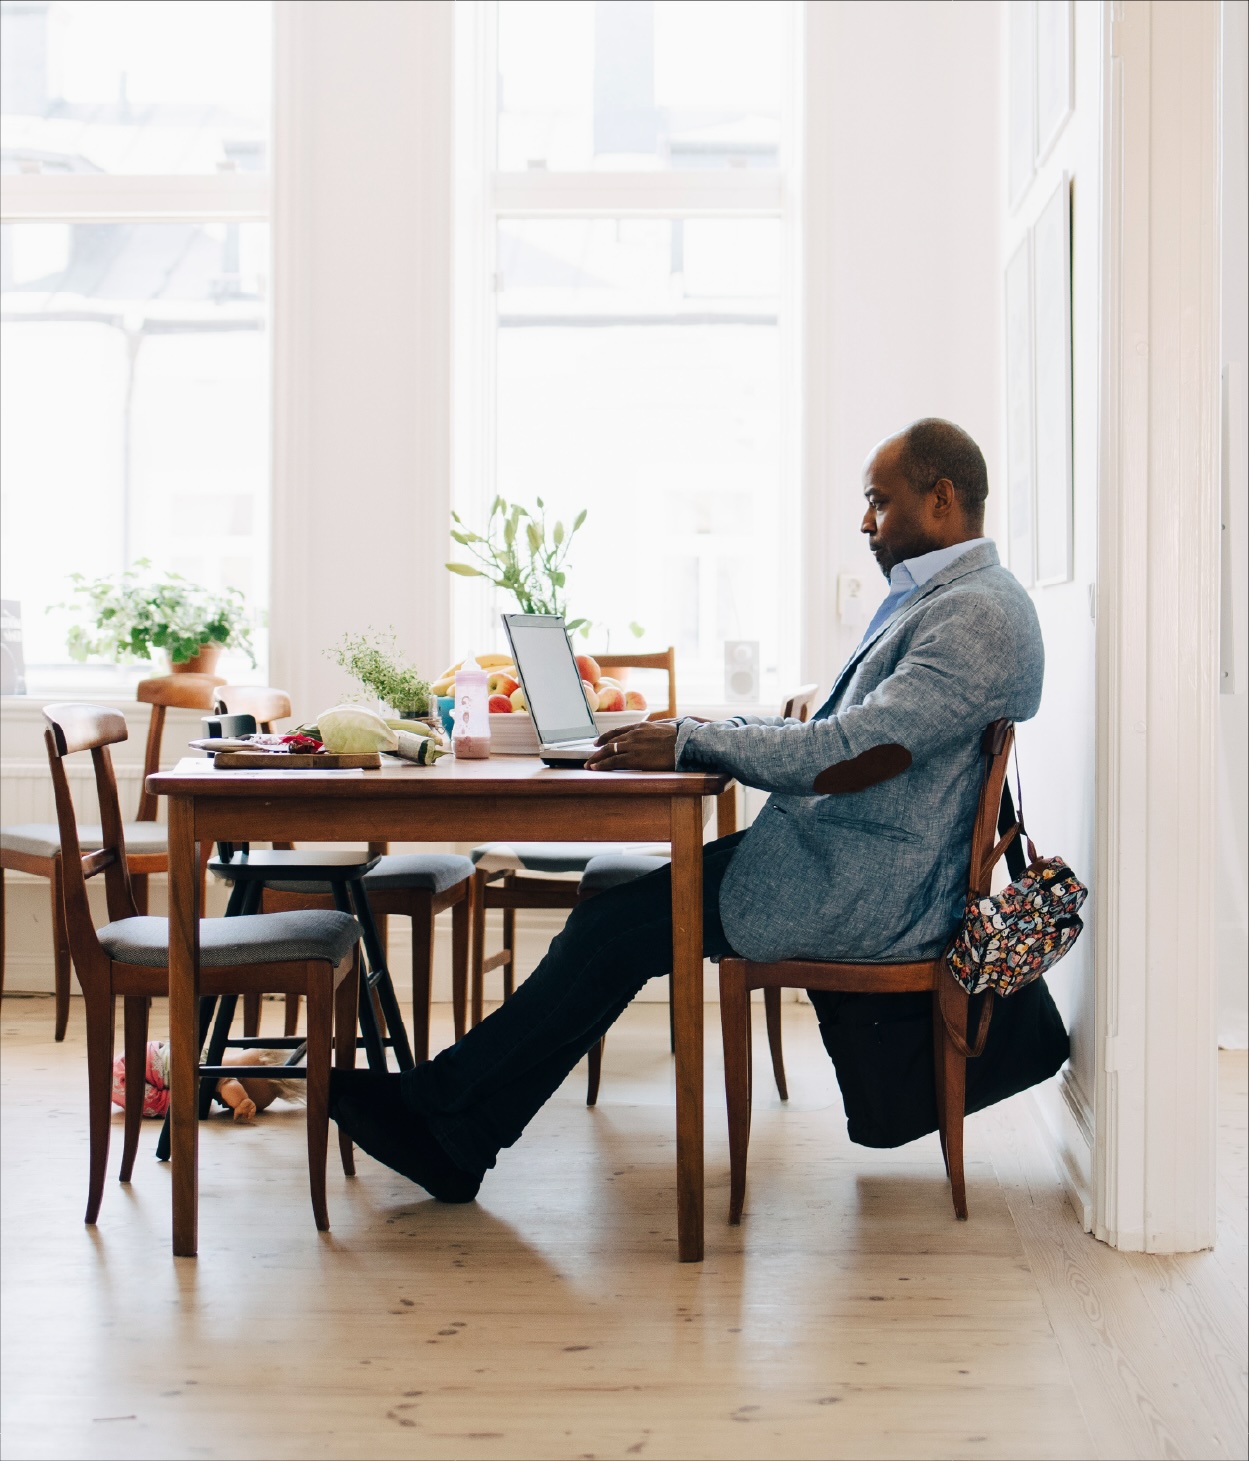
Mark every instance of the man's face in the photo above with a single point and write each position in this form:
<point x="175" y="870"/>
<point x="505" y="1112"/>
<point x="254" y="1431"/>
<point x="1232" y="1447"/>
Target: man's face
<point x="899" y="522"/>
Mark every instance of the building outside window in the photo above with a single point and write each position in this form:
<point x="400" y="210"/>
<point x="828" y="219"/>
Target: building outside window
<point x="134" y="273"/>
<point x="624" y="314"/>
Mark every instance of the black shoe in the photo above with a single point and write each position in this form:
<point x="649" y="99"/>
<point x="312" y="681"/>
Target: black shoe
<point x="370" y="1108"/>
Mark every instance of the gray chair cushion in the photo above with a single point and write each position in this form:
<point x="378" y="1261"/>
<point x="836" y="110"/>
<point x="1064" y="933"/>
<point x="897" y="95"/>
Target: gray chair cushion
<point x="43" y="839"/>
<point x="550" y="857"/>
<point x="614" y="868"/>
<point x="434" y="871"/>
<point x="261" y="938"/>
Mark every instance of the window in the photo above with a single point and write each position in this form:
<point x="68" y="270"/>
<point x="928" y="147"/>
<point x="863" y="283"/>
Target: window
<point x="134" y="263"/>
<point x="625" y="316"/>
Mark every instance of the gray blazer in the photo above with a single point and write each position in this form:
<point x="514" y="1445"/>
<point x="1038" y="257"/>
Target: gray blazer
<point x="880" y="874"/>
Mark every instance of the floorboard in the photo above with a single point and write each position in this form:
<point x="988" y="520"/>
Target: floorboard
<point x="849" y="1316"/>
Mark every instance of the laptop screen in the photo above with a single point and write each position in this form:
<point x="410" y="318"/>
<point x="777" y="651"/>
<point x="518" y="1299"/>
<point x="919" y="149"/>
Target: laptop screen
<point x="549" y="675"/>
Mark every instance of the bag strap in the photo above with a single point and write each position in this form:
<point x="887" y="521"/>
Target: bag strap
<point x="954" y="1000"/>
<point x="1008" y="825"/>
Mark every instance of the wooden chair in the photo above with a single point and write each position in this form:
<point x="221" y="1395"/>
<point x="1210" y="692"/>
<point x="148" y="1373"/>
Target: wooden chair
<point x="500" y="880"/>
<point x="610" y="870"/>
<point x="129" y="957"/>
<point x="739" y="976"/>
<point x="35" y="847"/>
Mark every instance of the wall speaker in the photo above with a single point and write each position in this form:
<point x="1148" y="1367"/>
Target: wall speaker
<point x="741" y="671"/>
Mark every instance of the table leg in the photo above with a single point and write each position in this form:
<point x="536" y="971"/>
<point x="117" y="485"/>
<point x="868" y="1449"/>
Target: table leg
<point x="687" y="1000"/>
<point x="726" y="811"/>
<point x="184" y="1047"/>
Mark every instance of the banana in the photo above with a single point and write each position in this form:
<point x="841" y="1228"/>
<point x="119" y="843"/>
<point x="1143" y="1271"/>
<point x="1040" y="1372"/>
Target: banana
<point x="415" y="727"/>
<point x="493" y="661"/>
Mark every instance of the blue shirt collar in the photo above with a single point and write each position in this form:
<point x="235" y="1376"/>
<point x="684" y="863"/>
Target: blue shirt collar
<point x="914" y="573"/>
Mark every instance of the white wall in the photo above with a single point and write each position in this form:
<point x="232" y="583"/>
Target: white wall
<point x="362" y="330"/>
<point x="1232" y="855"/>
<point x="1057" y="750"/>
<point x="903" y="293"/>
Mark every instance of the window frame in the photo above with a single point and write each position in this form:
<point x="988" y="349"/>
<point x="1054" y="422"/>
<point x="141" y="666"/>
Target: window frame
<point x="485" y="196"/>
<point x="226" y="196"/>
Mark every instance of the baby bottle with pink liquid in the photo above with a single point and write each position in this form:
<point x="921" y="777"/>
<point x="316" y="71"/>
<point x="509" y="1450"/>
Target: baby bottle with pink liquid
<point x="471" y="737"/>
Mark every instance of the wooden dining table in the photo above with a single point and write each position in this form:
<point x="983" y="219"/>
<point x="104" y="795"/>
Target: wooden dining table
<point x="504" y="798"/>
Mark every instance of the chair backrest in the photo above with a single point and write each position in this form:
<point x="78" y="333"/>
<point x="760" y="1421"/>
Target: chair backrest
<point x="72" y="729"/>
<point x="182" y="691"/>
<point x="798" y="703"/>
<point x="986" y="847"/>
<point x="664" y="659"/>
<point x="262" y="702"/>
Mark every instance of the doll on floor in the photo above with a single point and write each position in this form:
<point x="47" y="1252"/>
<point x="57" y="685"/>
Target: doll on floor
<point x="244" y="1095"/>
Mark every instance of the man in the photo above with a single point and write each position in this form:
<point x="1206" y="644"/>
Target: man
<point x="860" y="853"/>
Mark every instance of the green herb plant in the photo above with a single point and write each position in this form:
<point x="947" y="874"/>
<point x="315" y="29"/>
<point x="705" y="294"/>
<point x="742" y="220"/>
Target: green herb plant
<point x="136" y="612"/>
<point x="516" y="554"/>
<point x="374" y="660"/>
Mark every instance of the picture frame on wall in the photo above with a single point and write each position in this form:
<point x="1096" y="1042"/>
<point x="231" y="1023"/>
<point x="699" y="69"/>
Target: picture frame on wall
<point x="1021" y="141"/>
<point x="1020" y="447"/>
<point x="1051" y="296"/>
<point x="1055" y="72"/>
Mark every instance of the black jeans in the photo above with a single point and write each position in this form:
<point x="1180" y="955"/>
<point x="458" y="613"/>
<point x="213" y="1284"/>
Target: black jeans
<point x="480" y="1094"/>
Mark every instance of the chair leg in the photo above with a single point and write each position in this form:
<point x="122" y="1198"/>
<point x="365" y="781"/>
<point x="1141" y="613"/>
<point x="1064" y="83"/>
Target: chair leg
<point x="60" y="950"/>
<point x="955" y="1104"/>
<point x="100" y="1011"/>
<point x="479" y="948"/>
<point x="251" y="1014"/>
<point x="135" y="1012"/>
<point x="595" y="1057"/>
<point x="346" y="1005"/>
<point x="509" y="945"/>
<point x="290" y="1021"/>
<point x="422" y="977"/>
<point x="672" y="1021"/>
<point x="938" y="1075"/>
<point x="320" y="1026"/>
<point x="772" y="1013"/>
<point x="460" y="919"/>
<point x="735" y="1032"/>
<point x="139" y="889"/>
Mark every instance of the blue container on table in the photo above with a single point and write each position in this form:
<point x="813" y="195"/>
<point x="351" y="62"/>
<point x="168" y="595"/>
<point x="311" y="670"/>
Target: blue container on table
<point x="446" y="712"/>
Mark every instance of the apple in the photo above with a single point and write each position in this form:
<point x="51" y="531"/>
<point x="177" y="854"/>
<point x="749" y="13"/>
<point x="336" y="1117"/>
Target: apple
<point x="502" y="682"/>
<point x="588" y="669"/>
<point x="519" y="703"/>
<point x="635" y="700"/>
<point x="606" y="682"/>
<point x="500" y="705"/>
<point x="611" y="699"/>
<point x="591" y="694"/>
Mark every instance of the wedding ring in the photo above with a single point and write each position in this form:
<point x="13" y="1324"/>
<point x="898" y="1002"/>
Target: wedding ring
<point x="615" y="748"/>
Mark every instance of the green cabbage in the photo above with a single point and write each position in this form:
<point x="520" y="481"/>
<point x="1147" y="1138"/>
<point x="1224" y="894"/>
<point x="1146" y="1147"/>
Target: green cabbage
<point x="351" y="728"/>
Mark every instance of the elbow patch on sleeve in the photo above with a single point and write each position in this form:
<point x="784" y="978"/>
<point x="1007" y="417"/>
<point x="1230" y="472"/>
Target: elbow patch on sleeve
<point x="878" y="764"/>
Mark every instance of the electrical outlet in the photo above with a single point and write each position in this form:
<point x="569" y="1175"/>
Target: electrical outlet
<point x="850" y="599"/>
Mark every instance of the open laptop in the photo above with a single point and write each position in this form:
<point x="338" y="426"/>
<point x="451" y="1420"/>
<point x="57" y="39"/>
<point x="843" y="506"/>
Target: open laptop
<point x="552" y="685"/>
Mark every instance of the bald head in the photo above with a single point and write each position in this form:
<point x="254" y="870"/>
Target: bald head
<point x="932" y="449"/>
<point x="925" y="489"/>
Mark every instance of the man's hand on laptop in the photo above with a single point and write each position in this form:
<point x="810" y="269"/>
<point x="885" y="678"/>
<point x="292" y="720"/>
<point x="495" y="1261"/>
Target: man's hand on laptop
<point x="650" y="746"/>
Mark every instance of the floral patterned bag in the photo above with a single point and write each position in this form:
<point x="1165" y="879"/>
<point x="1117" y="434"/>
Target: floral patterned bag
<point x="1008" y="939"/>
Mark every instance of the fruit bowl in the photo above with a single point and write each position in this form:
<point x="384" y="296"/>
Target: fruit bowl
<point x="514" y="735"/>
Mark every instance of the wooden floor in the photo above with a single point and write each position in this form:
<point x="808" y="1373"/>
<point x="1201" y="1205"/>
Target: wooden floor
<point x="849" y="1316"/>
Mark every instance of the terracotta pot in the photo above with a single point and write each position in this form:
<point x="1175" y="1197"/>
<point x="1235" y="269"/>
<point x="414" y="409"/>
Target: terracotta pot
<point x="203" y="663"/>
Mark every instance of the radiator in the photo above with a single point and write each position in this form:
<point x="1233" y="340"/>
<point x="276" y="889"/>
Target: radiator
<point x="26" y="791"/>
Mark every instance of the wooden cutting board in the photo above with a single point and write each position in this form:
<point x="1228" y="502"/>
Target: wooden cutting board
<point x="288" y="761"/>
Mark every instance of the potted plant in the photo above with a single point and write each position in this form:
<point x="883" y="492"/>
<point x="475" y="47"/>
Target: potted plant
<point x="374" y="660"/>
<point x="133" y="614"/>
<point x="528" y="564"/>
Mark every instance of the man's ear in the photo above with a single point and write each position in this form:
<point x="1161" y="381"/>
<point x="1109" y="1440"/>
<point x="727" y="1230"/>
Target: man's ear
<point x="946" y="498"/>
<point x="880" y="763"/>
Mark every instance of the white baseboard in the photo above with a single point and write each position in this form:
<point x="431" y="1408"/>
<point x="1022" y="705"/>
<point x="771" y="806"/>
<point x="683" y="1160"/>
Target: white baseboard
<point x="1065" y="1118"/>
